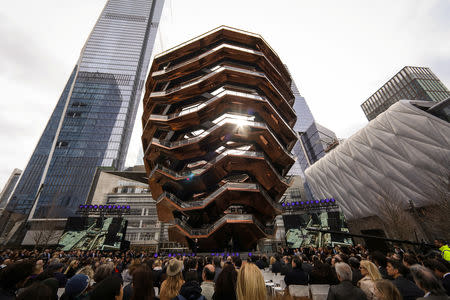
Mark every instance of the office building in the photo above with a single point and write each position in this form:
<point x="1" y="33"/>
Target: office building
<point x="413" y="83"/>
<point x="92" y="122"/>
<point x="218" y="130"/>
<point x="9" y="188"/>
<point x="401" y="157"/>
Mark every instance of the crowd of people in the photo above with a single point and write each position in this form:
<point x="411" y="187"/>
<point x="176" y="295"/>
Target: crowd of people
<point x="352" y="273"/>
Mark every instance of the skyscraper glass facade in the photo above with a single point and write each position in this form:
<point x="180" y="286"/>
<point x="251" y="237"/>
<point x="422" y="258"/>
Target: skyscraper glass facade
<point x="412" y="83"/>
<point x="92" y="123"/>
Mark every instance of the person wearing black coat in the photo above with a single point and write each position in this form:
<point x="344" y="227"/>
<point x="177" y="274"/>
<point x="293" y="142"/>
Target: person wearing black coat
<point x="287" y="266"/>
<point x="276" y="267"/>
<point x="345" y="290"/>
<point x="408" y="289"/>
<point x="297" y="276"/>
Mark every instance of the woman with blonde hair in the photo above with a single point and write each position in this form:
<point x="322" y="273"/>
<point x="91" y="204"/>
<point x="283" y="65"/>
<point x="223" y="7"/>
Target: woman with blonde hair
<point x="170" y="287"/>
<point x="386" y="290"/>
<point x="371" y="274"/>
<point x="250" y="283"/>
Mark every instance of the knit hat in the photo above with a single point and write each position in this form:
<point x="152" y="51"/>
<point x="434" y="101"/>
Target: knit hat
<point x="175" y="266"/>
<point x="76" y="285"/>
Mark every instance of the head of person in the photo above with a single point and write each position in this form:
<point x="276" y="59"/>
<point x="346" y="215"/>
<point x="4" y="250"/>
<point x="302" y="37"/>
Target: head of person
<point x="343" y="271"/>
<point x="379" y="259"/>
<point x="142" y="283"/>
<point x="436" y="266"/>
<point x="272" y="260"/>
<point x="37" y="291"/>
<point x="368" y="268"/>
<point x="297" y="262"/>
<point x="426" y="281"/>
<point x="409" y="260"/>
<point x="226" y="282"/>
<point x="109" y="288"/>
<point x="386" y="290"/>
<point x="354" y="263"/>
<point x="76" y="285"/>
<point x="217" y="262"/>
<point x="439" y="243"/>
<point x="208" y="273"/>
<point x="395" y="268"/>
<point x="15" y="275"/>
<point x="237" y="261"/>
<point x="172" y="285"/>
<point x="103" y="271"/>
<point x="250" y="283"/>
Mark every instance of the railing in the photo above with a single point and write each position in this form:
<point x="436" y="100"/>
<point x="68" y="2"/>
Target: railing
<point x="217" y="71"/>
<point x="226" y="152"/>
<point x="223" y="188"/>
<point x="228" y="217"/>
<point x="225" y="121"/>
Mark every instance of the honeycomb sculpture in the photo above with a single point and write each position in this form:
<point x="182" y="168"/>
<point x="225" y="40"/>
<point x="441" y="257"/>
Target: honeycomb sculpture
<point x="217" y="136"/>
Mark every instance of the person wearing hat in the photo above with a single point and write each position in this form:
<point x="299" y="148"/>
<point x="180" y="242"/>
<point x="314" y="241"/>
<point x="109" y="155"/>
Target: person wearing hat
<point x="170" y="287"/>
<point x="75" y="287"/>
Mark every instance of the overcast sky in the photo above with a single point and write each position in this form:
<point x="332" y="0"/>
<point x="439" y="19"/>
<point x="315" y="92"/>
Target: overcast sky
<point x="339" y="53"/>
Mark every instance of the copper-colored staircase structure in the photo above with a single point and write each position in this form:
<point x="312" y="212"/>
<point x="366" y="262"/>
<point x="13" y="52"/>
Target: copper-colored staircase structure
<point x="217" y="136"/>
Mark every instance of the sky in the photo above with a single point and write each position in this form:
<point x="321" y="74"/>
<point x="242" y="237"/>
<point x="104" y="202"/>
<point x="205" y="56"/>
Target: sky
<point x="339" y="53"/>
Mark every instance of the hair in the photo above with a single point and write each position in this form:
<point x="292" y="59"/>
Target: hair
<point x="238" y="261"/>
<point x="142" y="283"/>
<point x="37" y="291"/>
<point x="87" y="270"/>
<point x="379" y="258"/>
<point x="15" y="273"/>
<point x="344" y="271"/>
<point x="434" y="264"/>
<point x="398" y="266"/>
<point x="426" y="280"/>
<point x="250" y="283"/>
<point x="298" y="262"/>
<point x="225" y="287"/>
<point x="209" y="275"/>
<point x="371" y="269"/>
<point x="410" y="259"/>
<point x="272" y="260"/>
<point x="171" y="286"/>
<point x="107" y="289"/>
<point x="103" y="271"/>
<point x="354" y="262"/>
<point x="217" y="262"/>
<point x="387" y="290"/>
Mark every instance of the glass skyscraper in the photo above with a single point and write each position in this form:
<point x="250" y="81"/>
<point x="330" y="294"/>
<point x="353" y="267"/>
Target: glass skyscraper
<point x="412" y="83"/>
<point x="92" y="122"/>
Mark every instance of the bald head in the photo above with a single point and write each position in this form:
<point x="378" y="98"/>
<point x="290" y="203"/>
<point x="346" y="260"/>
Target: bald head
<point x="208" y="273"/>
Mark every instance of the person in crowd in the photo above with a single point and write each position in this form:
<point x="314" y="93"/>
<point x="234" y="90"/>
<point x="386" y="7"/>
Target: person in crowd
<point x="75" y="287"/>
<point x="53" y="284"/>
<point x="345" y="290"/>
<point x="208" y="282"/>
<point x="250" y="283"/>
<point x="142" y="284"/>
<point x="110" y="288"/>
<point x="296" y="276"/>
<point x="157" y="273"/>
<point x="407" y="288"/>
<point x="225" y="286"/>
<point x="38" y="269"/>
<point x="13" y="277"/>
<point x="371" y="274"/>
<point x="37" y="291"/>
<point x="237" y="262"/>
<point x="444" y="248"/>
<point x="103" y="271"/>
<point x="440" y="271"/>
<point x="306" y="265"/>
<point x="380" y="261"/>
<point x="354" y="263"/>
<point x="386" y="290"/>
<point x="170" y="287"/>
<point x="217" y="267"/>
<point x="321" y="273"/>
<point x="287" y="265"/>
<point x="72" y="268"/>
<point x="190" y="270"/>
<point x="427" y="282"/>
<point x="276" y="266"/>
<point x="272" y="260"/>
